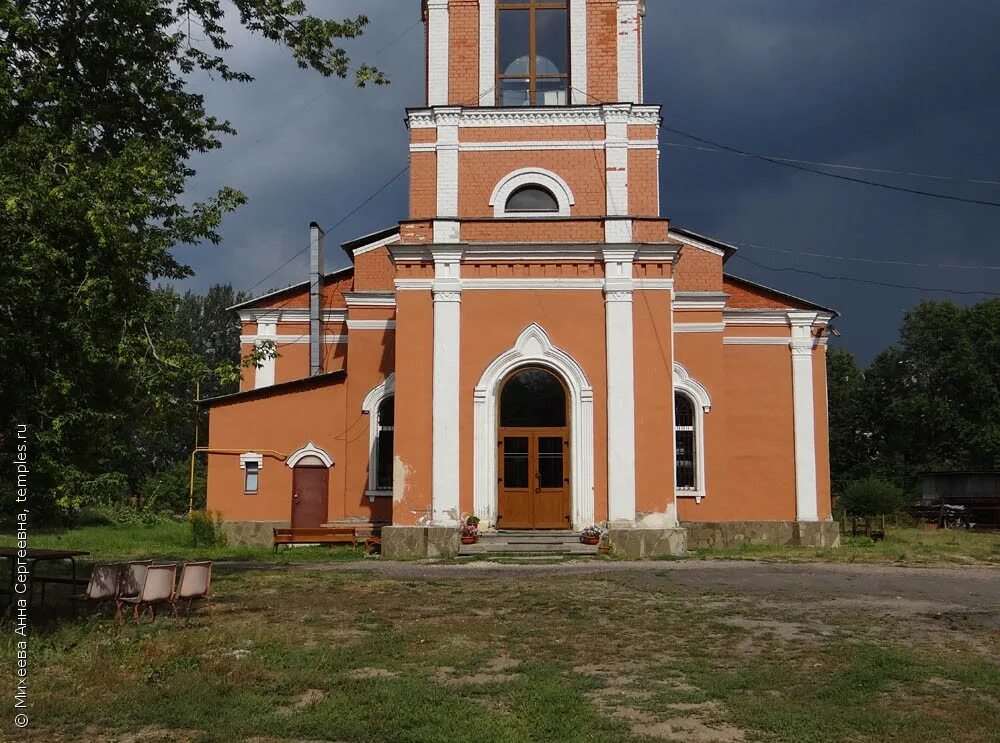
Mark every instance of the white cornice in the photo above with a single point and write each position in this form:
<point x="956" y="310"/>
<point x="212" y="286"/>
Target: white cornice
<point x="750" y="341"/>
<point x="288" y="315"/>
<point x="429" y="118"/>
<point x="370" y="299"/>
<point x="699" y="327"/>
<point x="527" y="284"/>
<point x="696" y="244"/>
<point x="536" y="144"/>
<point x="371" y="324"/>
<point x="403" y="285"/>
<point x="289" y="340"/>
<point x="775" y="316"/>
<point x="392" y="239"/>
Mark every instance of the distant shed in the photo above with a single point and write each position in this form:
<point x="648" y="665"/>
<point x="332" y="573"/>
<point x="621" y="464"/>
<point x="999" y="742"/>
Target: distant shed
<point x="959" y="488"/>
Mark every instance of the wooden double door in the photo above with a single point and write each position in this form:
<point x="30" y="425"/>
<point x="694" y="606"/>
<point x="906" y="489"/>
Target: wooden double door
<point x="534" y="479"/>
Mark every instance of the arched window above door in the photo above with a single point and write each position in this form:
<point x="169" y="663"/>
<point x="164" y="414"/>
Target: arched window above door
<point x="533" y="398"/>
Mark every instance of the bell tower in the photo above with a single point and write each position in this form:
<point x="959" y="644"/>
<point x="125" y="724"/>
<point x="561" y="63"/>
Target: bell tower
<point x="535" y="111"/>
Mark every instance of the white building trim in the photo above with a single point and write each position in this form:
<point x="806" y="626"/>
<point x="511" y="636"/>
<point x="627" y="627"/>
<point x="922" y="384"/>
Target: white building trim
<point x="702" y="405"/>
<point x="375" y="397"/>
<point x="616" y="160"/>
<point x="447" y="162"/>
<point x="699" y="327"/>
<point x="290" y="340"/>
<point x="578" y="52"/>
<point x="289" y="315"/>
<point x="531" y="177"/>
<point x="653" y="283"/>
<point x="533" y="347"/>
<point x="698" y="244"/>
<point x="371" y="324"/>
<point x="370" y="299"/>
<point x="684" y="382"/>
<point x="536" y="145"/>
<point x="254" y="457"/>
<point x="618" y="262"/>
<point x="264" y="374"/>
<point x="404" y="285"/>
<point x="742" y="340"/>
<point x="547" y="116"/>
<point x="309" y="450"/>
<point x="519" y="284"/>
<point x="804" y="411"/>
<point x="438" y="70"/>
<point x="628" y="51"/>
<point x="445" y="433"/>
<point x="392" y="239"/>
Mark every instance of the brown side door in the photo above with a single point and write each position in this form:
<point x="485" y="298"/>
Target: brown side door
<point x="310" y="495"/>
<point x="533" y="479"/>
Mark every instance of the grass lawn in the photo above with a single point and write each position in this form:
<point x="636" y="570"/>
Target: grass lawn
<point x="170" y="540"/>
<point x="909" y="546"/>
<point x="459" y="653"/>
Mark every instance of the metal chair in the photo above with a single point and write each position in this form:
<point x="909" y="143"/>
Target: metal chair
<point x="157" y="588"/>
<point x="195" y="584"/>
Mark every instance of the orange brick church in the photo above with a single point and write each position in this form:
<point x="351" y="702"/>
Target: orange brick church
<point x="534" y="344"/>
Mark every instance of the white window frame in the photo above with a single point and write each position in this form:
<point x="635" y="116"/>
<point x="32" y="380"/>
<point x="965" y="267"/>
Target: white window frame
<point x="370" y="406"/>
<point x="488" y="52"/>
<point x="251" y="462"/>
<point x="540" y="177"/>
<point x="701" y="404"/>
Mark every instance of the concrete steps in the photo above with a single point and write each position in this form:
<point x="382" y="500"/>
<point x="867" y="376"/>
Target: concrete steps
<point x="528" y="543"/>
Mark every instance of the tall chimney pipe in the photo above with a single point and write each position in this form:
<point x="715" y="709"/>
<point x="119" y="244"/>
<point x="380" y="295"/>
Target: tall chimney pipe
<point x="315" y="287"/>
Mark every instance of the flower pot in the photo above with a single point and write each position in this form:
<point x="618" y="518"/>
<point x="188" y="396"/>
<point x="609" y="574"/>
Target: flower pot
<point x="590" y="540"/>
<point x="470" y="540"/>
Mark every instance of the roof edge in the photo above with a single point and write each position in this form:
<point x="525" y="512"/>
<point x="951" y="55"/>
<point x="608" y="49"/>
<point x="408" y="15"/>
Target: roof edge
<point x="780" y="293"/>
<point x="318" y="380"/>
<point x="293" y="287"/>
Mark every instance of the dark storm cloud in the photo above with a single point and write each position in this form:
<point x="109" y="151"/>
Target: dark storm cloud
<point x="910" y="85"/>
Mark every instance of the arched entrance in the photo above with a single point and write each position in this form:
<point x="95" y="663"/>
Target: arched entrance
<point x="534" y="450"/>
<point x="310" y="467"/>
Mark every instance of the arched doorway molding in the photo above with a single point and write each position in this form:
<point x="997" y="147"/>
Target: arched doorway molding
<point x="310" y="450"/>
<point x="534" y="348"/>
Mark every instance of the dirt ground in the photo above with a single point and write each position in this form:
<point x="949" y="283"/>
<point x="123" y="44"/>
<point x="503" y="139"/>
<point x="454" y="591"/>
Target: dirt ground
<point x="702" y="651"/>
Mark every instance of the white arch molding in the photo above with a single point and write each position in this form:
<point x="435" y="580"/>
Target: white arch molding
<point x="309" y="451"/>
<point x="531" y="177"/>
<point x="534" y="348"/>
<point x="370" y="406"/>
<point x="701" y="401"/>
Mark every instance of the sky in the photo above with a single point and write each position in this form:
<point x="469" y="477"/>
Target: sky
<point x="911" y="86"/>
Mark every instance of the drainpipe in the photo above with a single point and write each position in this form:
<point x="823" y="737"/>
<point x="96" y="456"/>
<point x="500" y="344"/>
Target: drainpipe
<point x="315" y="287"/>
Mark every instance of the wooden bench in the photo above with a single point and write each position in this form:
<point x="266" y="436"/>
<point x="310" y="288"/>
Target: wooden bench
<point x="289" y="537"/>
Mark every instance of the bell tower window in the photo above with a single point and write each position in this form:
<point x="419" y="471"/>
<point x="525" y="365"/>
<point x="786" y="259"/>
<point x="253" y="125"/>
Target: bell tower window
<point x="533" y="53"/>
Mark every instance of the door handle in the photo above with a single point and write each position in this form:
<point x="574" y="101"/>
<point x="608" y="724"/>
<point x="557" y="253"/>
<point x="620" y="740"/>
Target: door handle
<point x="538" y="482"/>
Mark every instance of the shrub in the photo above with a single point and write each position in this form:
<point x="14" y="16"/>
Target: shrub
<point x="871" y="497"/>
<point x="206" y="529"/>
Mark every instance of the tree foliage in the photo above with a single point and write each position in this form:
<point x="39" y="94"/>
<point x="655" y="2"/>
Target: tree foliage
<point x="931" y="402"/>
<point x="97" y="127"/>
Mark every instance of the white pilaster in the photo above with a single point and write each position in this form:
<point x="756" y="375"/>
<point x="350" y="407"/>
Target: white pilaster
<point x="628" y="51"/>
<point x="447" y="161"/>
<point x="437" y="52"/>
<point x="578" y="52"/>
<point x="616" y="154"/>
<point x="487" y="52"/>
<point x="804" y="413"/>
<point x="266" y="331"/>
<point x="621" y="383"/>
<point x="447" y="291"/>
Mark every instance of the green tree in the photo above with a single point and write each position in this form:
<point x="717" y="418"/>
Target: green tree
<point x="97" y="127"/>
<point x="850" y="426"/>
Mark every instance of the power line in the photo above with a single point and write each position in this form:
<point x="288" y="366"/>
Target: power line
<point x="873" y="282"/>
<point x="880" y="261"/>
<point x="337" y="224"/>
<point x="838" y="176"/>
<point x="910" y="174"/>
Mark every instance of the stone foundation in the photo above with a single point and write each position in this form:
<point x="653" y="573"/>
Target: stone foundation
<point x="251" y="533"/>
<point x="730" y="534"/>
<point x="637" y="543"/>
<point x="419" y="542"/>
